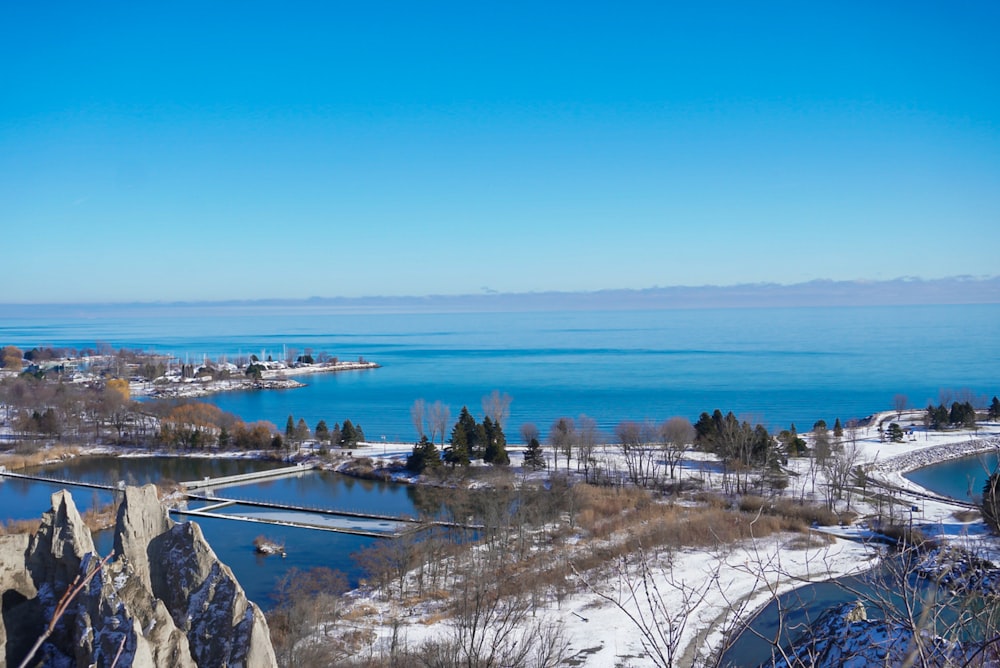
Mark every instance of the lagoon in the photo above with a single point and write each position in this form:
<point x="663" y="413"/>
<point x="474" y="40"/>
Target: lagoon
<point x="232" y="540"/>
<point x="961" y="479"/>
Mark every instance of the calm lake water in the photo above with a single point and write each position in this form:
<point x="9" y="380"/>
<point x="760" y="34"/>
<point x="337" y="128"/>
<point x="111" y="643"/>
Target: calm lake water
<point x="232" y="540"/>
<point x="778" y="365"/>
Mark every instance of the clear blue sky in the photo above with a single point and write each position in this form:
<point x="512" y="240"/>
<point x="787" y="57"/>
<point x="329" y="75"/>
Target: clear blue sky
<point x="191" y="150"/>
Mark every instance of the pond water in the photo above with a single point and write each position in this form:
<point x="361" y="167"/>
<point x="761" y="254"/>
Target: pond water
<point x="789" y="619"/>
<point x="793" y="613"/>
<point x="961" y="479"/>
<point x="232" y="540"/>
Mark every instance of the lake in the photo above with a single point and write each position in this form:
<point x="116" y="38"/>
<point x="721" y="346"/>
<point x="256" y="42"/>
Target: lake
<point x="779" y="365"/>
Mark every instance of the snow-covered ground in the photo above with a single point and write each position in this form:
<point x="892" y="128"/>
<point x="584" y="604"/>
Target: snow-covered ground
<point x="727" y="584"/>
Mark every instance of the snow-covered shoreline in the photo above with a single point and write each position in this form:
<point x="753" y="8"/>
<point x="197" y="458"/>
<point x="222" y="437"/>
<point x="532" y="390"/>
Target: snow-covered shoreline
<point x="270" y="379"/>
<point x="936" y="454"/>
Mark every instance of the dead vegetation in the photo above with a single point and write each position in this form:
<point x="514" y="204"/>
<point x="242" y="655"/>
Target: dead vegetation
<point x="537" y="543"/>
<point x="97" y="518"/>
<point x="18" y="461"/>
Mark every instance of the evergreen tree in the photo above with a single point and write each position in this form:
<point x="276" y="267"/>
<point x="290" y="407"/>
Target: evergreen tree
<point x="457" y="453"/>
<point x="939" y="417"/>
<point x="794" y="445"/>
<point x="425" y="454"/>
<point x="224" y="437"/>
<point x="322" y="432"/>
<point x="838" y="429"/>
<point x="995" y="409"/>
<point x="276" y="442"/>
<point x="496" y="443"/>
<point x="290" y="428"/>
<point x="895" y="433"/>
<point x="348" y="435"/>
<point x="991" y="502"/>
<point x="963" y="414"/>
<point x="466" y="433"/>
<point x="301" y="430"/>
<point x="534" y="458"/>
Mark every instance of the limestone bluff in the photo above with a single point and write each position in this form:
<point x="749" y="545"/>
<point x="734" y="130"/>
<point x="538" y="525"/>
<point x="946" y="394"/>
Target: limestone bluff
<point x="163" y="600"/>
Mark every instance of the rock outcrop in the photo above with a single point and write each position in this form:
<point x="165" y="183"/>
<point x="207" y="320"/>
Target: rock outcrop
<point x="163" y="600"/>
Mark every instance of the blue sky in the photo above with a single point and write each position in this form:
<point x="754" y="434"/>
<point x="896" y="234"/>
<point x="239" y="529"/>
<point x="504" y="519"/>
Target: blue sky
<point x="179" y="151"/>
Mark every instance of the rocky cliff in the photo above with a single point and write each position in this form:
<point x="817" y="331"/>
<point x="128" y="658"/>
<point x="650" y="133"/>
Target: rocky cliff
<point x="163" y="599"/>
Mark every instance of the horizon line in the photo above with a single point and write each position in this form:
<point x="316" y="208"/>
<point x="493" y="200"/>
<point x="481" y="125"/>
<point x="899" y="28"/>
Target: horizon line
<point x="900" y="291"/>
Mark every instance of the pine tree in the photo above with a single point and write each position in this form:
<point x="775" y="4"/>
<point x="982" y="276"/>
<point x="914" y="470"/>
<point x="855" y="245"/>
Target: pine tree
<point x="457" y="453"/>
<point x="895" y="433"/>
<point x="991" y="502"/>
<point x="301" y="430"/>
<point x="995" y="409"/>
<point x="534" y="458"/>
<point x="348" y="435"/>
<point x="425" y="454"/>
<point x="496" y="443"/>
<point x="290" y="428"/>
<point x="224" y="437"/>
<point x="838" y="429"/>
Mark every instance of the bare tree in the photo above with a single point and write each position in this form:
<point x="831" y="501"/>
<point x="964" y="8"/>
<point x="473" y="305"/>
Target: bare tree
<point x="417" y="413"/>
<point x="305" y="600"/>
<point x="562" y="436"/>
<point x="658" y="602"/>
<point x="676" y="433"/>
<point x="637" y="439"/>
<point x="586" y="442"/>
<point x="839" y="468"/>
<point x="438" y="417"/>
<point x="490" y="631"/>
<point x="900" y="403"/>
<point x="497" y="406"/>
<point x="528" y="431"/>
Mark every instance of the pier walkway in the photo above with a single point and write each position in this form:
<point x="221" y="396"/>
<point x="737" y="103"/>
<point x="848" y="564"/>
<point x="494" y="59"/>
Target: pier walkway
<point x="246" y="477"/>
<point x="328" y="519"/>
<point x="322" y="519"/>
<point x="60" y="481"/>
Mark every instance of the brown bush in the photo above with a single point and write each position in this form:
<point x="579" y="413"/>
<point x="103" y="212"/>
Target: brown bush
<point x="19" y="461"/>
<point x="788" y="508"/>
<point x="967" y="515"/>
<point x="20" y="526"/>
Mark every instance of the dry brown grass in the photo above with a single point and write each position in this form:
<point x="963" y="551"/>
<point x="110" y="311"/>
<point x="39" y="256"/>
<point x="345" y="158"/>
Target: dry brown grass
<point x="808" y="513"/>
<point x="967" y="515"/>
<point x="165" y="487"/>
<point x="100" y="518"/>
<point x="20" y="526"/>
<point x="810" y="541"/>
<point x="359" y="612"/>
<point x="430" y="620"/>
<point x="605" y="510"/>
<point x="95" y="519"/>
<point x="20" y="461"/>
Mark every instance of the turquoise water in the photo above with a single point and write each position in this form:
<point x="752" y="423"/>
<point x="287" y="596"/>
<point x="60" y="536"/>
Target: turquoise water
<point x="961" y="479"/>
<point x="778" y="365"/>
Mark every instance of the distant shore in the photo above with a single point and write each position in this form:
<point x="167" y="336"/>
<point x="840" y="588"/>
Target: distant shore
<point x="270" y="379"/>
